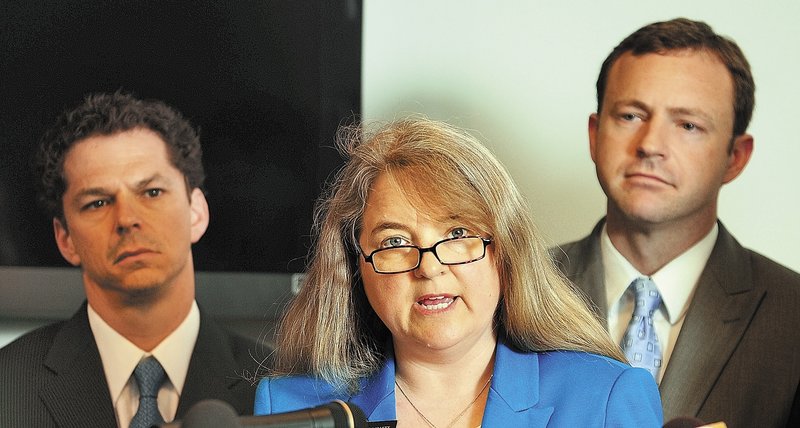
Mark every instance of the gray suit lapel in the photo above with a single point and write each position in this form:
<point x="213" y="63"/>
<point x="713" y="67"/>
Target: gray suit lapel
<point x="721" y="309"/>
<point x="582" y="263"/>
<point x="214" y="372"/>
<point x="79" y="374"/>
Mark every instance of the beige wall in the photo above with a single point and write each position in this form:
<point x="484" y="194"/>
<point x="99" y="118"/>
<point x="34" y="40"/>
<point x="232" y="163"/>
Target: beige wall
<point x="521" y="74"/>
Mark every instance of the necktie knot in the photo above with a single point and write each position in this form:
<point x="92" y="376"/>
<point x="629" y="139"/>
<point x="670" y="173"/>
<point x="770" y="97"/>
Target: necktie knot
<point x="149" y="376"/>
<point x="647" y="297"/>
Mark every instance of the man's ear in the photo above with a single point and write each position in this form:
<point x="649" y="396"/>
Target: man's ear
<point x="200" y="216"/>
<point x="64" y="242"/>
<point x="740" y="153"/>
<point x="594" y="122"/>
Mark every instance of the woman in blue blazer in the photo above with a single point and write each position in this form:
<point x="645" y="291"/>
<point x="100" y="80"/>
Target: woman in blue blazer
<point x="482" y="331"/>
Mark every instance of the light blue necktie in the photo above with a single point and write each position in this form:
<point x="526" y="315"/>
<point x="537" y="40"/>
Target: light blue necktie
<point x="149" y="376"/>
<point x="640" y="343"/>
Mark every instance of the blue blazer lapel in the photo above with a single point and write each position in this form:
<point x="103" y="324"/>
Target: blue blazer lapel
<point x="513" y="395"/>
<point x="74" y="359"/>
<point x="724" y="303"/>
<point x="376" y="397"/>
<point x="514" y="392"/>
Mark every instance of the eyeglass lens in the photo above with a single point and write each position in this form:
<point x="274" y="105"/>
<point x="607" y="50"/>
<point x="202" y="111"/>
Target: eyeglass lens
<point x="450" y="251"/>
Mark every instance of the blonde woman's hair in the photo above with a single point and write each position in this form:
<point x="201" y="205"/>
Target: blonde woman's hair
<point x="330" y="331"/>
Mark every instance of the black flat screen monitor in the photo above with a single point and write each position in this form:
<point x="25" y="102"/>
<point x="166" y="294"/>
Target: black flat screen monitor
<point x="266" y="82"/>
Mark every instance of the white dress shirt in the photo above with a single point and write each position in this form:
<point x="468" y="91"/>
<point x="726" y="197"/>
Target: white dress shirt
<point x="120" y="357"/>
<point x="676" y="282"/>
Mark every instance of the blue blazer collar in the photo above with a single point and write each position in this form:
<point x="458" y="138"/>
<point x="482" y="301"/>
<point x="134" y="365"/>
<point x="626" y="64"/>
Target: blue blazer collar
<point x="376" y="397"/>
<point x="513" y="395"/>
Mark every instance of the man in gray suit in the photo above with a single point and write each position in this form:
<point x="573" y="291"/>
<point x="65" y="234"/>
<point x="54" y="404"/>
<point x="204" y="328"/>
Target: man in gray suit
<point x="674" y="100"/>
<point x="121" y="178"/>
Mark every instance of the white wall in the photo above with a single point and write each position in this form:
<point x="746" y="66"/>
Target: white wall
<point x="521" y="74"/>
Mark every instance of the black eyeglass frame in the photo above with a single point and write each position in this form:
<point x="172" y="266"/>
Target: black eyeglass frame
<point x="421" y="251"/>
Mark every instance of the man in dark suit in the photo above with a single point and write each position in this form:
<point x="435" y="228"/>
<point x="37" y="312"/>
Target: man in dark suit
<point x="121" y="178"/>
<point x="674" y="100"/>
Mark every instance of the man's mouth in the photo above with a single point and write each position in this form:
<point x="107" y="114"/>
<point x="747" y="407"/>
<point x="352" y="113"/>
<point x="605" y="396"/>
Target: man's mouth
<point x="647" y="177"/>
<point x="132" y="253"/>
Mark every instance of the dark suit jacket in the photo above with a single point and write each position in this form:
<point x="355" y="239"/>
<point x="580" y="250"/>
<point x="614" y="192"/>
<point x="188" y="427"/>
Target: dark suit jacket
<point x="53" y="376"/>
<point x="737" y="357"/>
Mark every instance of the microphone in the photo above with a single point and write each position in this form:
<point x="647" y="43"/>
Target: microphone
<point x="219" y="414"/>
<point x="690" y="422"/>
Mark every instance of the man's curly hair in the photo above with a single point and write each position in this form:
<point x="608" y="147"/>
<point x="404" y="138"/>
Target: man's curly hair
<point x="109" y="114"/>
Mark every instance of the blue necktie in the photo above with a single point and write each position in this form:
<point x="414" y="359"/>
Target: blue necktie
<point x="640" y="343"/>
<point x="149" y="376"/>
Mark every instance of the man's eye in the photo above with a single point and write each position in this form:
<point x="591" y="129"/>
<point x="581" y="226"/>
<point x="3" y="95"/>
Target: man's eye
<point x="629" y="117"/>
<point x="154" y="192"/>
<point x="95" y="204"/>
<point x="689" y="126"/>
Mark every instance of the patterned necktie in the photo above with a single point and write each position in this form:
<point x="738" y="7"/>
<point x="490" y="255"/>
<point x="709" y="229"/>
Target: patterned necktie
<point x="149" y="376"/>
<point x="640" y="343"/>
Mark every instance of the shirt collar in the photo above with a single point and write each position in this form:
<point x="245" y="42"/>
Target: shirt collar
<point x="675" y="281"/>
<point x="120" y="356"/>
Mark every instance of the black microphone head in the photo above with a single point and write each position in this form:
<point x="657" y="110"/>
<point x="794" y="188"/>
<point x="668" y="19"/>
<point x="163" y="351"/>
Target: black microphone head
<point x="359" y="418"/>
<point x="347" y="414"/>
<point x="211" y="414"/>
<point x="684" y="422"/>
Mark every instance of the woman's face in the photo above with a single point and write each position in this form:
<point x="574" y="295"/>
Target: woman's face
<point x="435" y="306"/>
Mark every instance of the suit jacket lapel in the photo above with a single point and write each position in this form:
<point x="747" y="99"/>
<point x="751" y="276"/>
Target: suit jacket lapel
<point x="513" y="395"/>
<point x="214" y="372"/>
<point x="74" y="359"/>
<point x="582" y="263"/>
<point x="376" y="397"/>
<point x="514" y="392"/>
<point x="724" y="302"/>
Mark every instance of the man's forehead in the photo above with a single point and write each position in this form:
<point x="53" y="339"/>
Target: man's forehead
<point x="130" y="156"/>
<point x="690" y="70"/>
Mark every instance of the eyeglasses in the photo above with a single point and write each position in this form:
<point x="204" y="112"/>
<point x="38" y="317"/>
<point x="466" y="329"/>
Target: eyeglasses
<point x="405" y="258"/>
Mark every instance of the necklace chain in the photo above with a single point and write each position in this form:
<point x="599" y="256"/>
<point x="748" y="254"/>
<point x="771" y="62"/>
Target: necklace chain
<point x="428" y="421"/>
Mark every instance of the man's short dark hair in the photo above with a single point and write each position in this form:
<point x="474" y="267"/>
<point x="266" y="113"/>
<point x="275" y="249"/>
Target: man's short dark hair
<point x="681" y="34"/>
<point x="109" y="114"/>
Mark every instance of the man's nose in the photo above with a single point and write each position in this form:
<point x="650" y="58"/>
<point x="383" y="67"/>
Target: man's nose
<point x="652" y="139"/>
<point x="127" y="213"/>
